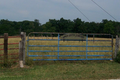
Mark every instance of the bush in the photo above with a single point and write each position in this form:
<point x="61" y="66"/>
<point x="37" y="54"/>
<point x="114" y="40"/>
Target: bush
<point x="117" y="59"/>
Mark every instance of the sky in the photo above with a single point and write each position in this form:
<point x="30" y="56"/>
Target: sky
<point x="43" y="10"/>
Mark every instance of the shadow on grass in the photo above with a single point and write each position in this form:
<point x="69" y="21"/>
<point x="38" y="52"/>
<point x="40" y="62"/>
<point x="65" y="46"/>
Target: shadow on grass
<point x="32" y="63"/>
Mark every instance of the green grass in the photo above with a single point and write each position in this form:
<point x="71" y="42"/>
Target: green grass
<point x="68" y="70"/>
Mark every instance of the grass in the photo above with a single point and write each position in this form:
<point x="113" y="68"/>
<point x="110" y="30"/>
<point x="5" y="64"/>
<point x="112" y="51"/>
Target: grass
<point x="68" y="70"/>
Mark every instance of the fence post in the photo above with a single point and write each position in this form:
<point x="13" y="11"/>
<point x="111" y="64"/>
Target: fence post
<point x="93" y="38"/>
<point x="116" y="45"/>
<point x="5" y="48"/>
<point x="22" y="49"/>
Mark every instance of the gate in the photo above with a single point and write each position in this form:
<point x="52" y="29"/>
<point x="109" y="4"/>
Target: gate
<point x="69" y="46"/>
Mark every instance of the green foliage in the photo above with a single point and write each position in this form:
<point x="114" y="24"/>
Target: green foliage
<point x="62" y="25"/>
<point x="109" y="28"/>
<point x="117" y="59"/>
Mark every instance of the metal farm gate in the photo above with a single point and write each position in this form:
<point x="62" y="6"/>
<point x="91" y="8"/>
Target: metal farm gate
<point x="69" y="46"/>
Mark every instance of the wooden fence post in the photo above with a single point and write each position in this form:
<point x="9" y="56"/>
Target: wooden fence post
<point x="22" y="49"/>
<point x="116" y="45"/>
<point x="5" y="48"/>
<point x="20" y="55"/>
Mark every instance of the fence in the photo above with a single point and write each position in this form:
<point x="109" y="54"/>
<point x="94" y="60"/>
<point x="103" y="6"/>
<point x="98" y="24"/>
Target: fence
<point x="9" y="49"/>
<point x="69" y="46"/>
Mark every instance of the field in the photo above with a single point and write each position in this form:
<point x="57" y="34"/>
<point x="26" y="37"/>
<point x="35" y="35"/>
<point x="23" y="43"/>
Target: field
<point x="62" y="70"/>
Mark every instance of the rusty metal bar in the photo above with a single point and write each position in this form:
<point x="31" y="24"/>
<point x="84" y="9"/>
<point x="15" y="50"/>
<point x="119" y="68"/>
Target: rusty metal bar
<point x="1" y="62"/>
<point x="1" y="58"/>
<point x="14" y="58"/>
<point x="12" y="43"/>
<point x="9" y="49"/>
<point x="1" y="36"/>
<point x="13" y="36"/>
<point x="1" y="54"/>
<point x="12" y="48"/>
<point x="13" y="53"/>
<point x="1" y="44"/>
<point x="1" y="49"/>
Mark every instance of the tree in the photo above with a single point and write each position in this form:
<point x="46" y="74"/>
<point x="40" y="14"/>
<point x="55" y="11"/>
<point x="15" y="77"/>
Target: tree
<point x="109" y="28"/>
<point x="48" y="27"/>
<point x="78" y="26"/>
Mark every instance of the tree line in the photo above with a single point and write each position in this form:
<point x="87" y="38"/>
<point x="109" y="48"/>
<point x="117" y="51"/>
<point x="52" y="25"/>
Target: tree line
<point x="61" y="25"/>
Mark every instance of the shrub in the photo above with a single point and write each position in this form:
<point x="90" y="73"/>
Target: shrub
<point x="117" y="59"/>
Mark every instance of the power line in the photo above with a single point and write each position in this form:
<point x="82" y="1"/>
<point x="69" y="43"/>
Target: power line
<point x="79" y="11"/>
<point x="104" y="10"/>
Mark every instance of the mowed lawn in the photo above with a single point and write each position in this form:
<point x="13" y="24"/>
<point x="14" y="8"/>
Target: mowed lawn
<point x="62" y="70"/>
<point x="67" y="70"/>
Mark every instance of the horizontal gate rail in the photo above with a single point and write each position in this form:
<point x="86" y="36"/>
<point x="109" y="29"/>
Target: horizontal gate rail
<point x="67" y="33"/>
<point x="68" y="59"/>
<point x="70" y="51"/>
<point x="66" y="40"/>
<point x="63" y="46"/>
<point x="65" y="55"/>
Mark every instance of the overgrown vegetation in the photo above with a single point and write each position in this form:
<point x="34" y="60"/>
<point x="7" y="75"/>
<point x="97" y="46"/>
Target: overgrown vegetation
<point x="62" y="25"/>
<point x="117" y="59"/>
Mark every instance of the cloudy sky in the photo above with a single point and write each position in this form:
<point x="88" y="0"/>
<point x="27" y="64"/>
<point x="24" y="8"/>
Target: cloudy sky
<point x="43" y="10"/>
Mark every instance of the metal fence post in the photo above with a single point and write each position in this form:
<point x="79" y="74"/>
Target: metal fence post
<point x="112" y="48"/>
<point x="86" y="46"/>
<point x="116" y="45"/>
<point x="58" y="44"/>
<point x="5" y="48"/>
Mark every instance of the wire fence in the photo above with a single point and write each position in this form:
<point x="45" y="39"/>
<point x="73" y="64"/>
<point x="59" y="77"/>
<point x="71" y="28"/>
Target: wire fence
<point x="9" y="49"/>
